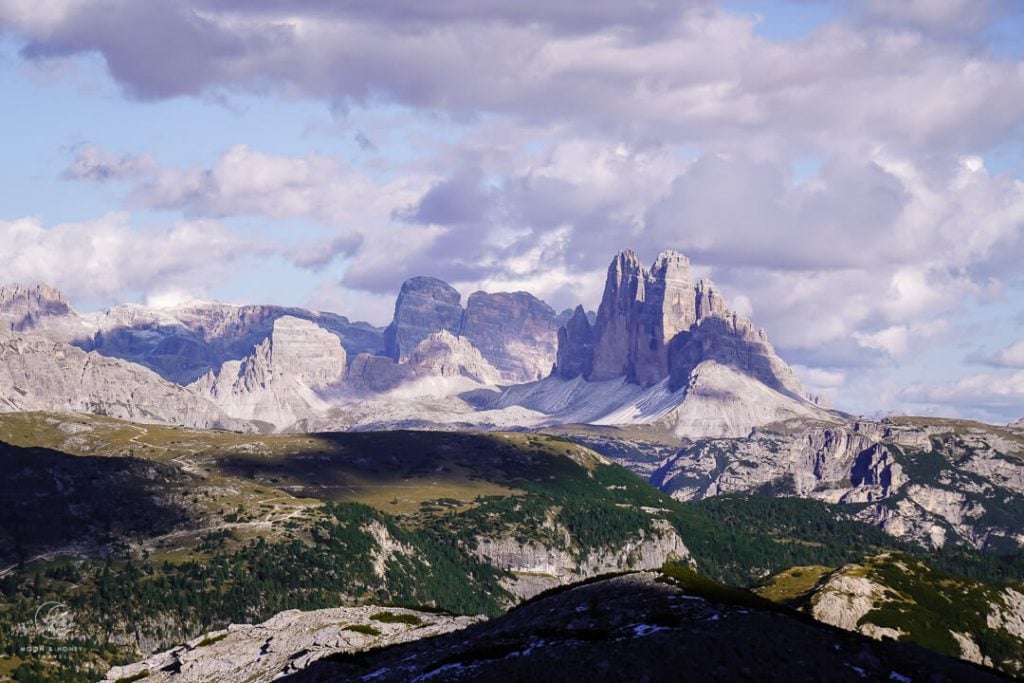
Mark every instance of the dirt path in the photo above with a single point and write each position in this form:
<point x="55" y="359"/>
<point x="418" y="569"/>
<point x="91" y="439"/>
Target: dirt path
<point x="53" y="554"/>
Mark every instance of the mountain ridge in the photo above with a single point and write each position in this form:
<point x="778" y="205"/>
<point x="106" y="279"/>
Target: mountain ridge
<point x="653" y="325"/>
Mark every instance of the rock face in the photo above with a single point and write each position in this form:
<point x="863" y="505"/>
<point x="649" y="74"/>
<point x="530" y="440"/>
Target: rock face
<point x="425" y="305"/>
<point x="658" y="323"/>
<point x="835" y="464"/>
<point x="24" y="306"/>
<point x="514" y="331"/>
<point x="440" y="354"/>
<point x="446" y="355"/>
<point x="184" y="343"/>
<point x="575" y="347"/>
<point x="287" y="643"/>
<point x="180" y="343"/>
<point x="40" y="310"/>
<point x="932" y="481"/>
<point x="539" y="567"/>
<point x="281" y="381"/>
<point x="39" y="374"/>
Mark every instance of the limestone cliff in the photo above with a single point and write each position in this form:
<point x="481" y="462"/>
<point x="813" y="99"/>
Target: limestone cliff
<point x="515" y="331"/>
<point x="659" y="323"/>
<point x="40" y="374"/>
<point x="425" y="305"/>
<point x="282" y="380"/>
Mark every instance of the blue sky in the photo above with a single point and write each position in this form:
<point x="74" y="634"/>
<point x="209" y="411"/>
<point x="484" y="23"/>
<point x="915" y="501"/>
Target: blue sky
<point x="850" y="173"/>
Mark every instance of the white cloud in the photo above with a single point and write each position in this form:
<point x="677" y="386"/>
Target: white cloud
<point x="107" y="257"/>
<point x="897" y="340"/>
<point x="819" y="378"/>
<point x="990" y="390"/>
<point x="692" y="73"/>
<point x="1011" y="356"/>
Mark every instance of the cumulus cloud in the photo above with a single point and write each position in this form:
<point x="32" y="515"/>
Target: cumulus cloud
<point x="244" y="181"/>
<point x="1003" y="393"/>
<point x="671" y="71"/>
<point x="897" y="340"/>
<point x="1011" y="356"/>
<point x="104" y="258"/>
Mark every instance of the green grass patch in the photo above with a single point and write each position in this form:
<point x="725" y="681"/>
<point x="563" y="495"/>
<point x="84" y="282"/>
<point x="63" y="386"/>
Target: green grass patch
<point x="692" y="583"/>
<point x="134" y="677"/>
<point x="210" y="640"/>
<point x="396" y="618"/>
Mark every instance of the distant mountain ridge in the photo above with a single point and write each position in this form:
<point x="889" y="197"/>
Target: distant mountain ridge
<point x="662" y="348"/>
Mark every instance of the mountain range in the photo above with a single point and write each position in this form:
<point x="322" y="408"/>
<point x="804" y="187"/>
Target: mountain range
<point x="662" y="349"/>
<point x="663" y="378"/>
<point x="209" y="464"/>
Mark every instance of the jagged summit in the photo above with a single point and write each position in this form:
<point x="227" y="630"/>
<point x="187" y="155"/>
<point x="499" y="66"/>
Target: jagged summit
<point x="279" y="382"/>
<point x="662" y="348"/>
<point x="514" y="331"/>
<point x="658" y="323"/>
<point x="425" y="305"/>
<point x="26" y="308"/>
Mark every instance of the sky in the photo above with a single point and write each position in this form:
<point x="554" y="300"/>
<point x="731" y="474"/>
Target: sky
<point x="850" y="174"/>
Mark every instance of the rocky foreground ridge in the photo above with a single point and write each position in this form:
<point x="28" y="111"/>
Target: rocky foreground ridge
<point x="635" y="627"/>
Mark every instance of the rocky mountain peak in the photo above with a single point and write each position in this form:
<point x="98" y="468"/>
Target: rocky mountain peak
<point x="307" y="352"/>
<point x="425" y="305"/>
<point x="515" y="332"/>
<point x="24" y="305"/>
<point x="575" y="347"/>
<point x="658" y="323"/>
<point x="279" y="381"/>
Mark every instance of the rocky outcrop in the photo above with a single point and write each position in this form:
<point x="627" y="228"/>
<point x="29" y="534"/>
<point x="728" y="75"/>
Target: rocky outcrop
<point x="23" y="306"/>
<point x="539" y="566"/>
<point x="515" y="331"/>
<point x="40" y="374"/>
<point x="730" y="340"/>
<point x="659" y="323"/>
<point x="1009" y="616"/>
<point x="615" y="329"/>
<point x="831" y="463"/>
<point x="185" y="342"/>
<point x="846" y="598"/>
<point x="897" y="596"/>
<point x="287" y="643"/>
<point x="575" y="356"/>
<point x="640" y="627"/>
<point x="440" y="354"/>
<point x="425" y="305"/>
<point x="40" y="310"/>
<point x="283" y="379"/>
<point x="180" y="343"/>
<point x="446" y="355"/>
<point x="927" y="480"/>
